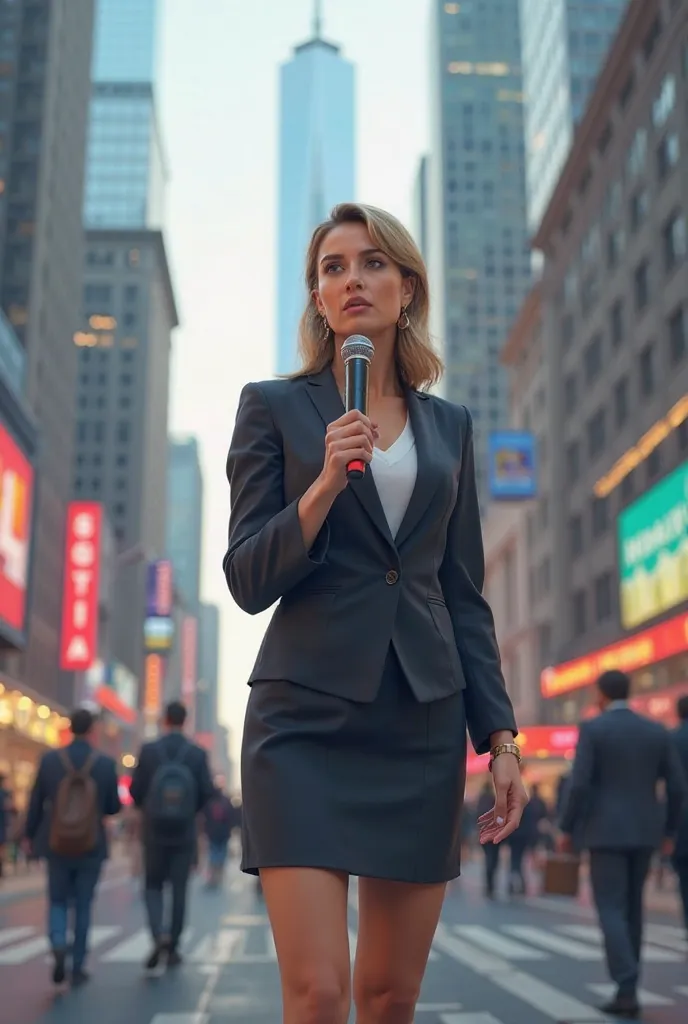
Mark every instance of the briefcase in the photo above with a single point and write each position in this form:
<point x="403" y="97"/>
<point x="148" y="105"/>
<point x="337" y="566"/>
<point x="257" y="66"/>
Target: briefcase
<point x="561" y="876"/>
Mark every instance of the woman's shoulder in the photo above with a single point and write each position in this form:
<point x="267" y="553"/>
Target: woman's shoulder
<point x="269" y="392"/>
<point x="450" y="412"/>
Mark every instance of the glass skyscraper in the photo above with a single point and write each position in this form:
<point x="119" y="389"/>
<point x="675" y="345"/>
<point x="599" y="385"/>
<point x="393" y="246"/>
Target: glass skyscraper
<point x="185" y="519"/>
<point x="565" y="43"/>
<point x="125" y="181"/>
<point x="316" y="169"/>
<point x="478" y="242"/>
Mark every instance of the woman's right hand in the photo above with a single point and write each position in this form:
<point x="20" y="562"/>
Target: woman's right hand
<point x="350" y="437"/>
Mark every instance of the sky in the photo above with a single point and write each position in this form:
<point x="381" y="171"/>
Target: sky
<point x="218" y="96"/>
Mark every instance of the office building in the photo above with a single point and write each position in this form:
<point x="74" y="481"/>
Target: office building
<point x="126" y="172"/>
<point x="185" y="519"/>
<point x="317" y="162"/>
<point x="478" y="236"/>
<point x="420" y="207"/>
<point x="208" y="669"/>
<point x="615" y="315"/>
<point x="124" y="347"/>
<point x="45" y="53"/>
<point x="565" y="43"/>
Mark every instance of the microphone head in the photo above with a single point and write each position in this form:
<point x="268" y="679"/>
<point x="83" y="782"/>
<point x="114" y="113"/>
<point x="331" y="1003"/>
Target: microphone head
<point x="357" y="347"/>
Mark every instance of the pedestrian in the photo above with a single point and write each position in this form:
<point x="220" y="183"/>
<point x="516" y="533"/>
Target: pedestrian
<point x="219" y="821"/>
<point x="382" y="648"/>
<point x="75" y="790"/>
<point x="680" y="854"/>
<point x="612" y="804"/>
<point x="171" y="785"/>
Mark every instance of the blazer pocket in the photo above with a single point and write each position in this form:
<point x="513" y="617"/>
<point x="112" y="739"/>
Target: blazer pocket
<point x="445" y="629"/>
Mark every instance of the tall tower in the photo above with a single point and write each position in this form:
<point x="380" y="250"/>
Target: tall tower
<point x="316" y="167"/>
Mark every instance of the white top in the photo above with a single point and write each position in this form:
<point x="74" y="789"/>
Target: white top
<point x="394" y="472"/>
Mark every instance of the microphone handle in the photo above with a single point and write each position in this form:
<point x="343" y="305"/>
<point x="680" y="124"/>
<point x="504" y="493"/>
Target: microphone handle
<point x="356" y="372"/>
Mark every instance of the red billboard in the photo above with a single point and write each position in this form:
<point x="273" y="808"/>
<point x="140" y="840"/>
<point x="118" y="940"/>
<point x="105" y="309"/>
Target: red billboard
<point x="79" y="646"/>
<point x="16" y="499"/>
<point x="189" y="664"/>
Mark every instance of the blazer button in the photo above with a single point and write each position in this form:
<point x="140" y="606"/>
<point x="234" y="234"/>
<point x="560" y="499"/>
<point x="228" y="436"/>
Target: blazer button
<point x="392" y="577"/>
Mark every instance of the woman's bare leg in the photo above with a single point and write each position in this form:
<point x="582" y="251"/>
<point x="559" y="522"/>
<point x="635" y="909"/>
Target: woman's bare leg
<point x="396" y="926"/>
<point x="308" y="914"/>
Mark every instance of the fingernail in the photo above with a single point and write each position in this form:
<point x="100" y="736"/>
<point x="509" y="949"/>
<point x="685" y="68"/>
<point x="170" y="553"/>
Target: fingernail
<point x="500" y="821"/>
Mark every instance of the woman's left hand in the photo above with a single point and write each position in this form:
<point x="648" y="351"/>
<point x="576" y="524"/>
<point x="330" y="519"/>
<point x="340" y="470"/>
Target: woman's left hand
<point x="510" y="799"/>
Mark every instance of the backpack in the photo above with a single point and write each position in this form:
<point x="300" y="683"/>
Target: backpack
<point x="75" y="819"/>
<point x="172" y="800"/>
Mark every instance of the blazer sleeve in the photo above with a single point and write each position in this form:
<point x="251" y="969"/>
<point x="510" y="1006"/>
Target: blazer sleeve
<point x="462" y="575"/>
<point x="676" y="788"/>
<point x="266" y="555"/>
<point x="576" y="804"/>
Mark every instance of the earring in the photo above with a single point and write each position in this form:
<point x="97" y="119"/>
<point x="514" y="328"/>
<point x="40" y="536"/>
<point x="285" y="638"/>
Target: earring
<point x="326" y="326"/>
<point x="403" y="323"/>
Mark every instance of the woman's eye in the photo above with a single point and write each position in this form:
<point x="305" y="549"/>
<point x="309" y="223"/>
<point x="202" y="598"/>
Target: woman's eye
<point x="375" y="263"/>
<point x="332" y="266"/>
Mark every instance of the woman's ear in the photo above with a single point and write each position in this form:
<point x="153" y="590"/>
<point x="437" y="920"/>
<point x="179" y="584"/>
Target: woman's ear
<point x="408" y="289"/>
<point x="318" y="303"/>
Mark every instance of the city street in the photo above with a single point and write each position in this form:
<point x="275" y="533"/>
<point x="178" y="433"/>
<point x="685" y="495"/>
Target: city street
<point x="532" y="962"/>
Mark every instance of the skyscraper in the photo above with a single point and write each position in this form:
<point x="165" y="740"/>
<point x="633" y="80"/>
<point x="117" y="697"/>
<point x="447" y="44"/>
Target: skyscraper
<point x="45" y="54"/>
<point x="208" y="669"/>
<point x="126" y="174"/>
<point x="185" y="519"/>
<point x="316" y="167"/>
<point x="478" y="238"/>
<point x="565" y="43"/>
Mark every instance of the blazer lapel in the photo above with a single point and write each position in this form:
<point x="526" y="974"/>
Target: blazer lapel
<point x="420" y="414"/>
<point x="323" y="392"/>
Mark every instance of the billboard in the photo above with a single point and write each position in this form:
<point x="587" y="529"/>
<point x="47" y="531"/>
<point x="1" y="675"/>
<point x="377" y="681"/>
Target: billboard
<point x="511" y="465"/>
<point x="159" y="590"/>
<point x="653" y="551"/>
<point x="189" y="666"/>
<point x="79" y="644"/>
<point x="16" y="513"/>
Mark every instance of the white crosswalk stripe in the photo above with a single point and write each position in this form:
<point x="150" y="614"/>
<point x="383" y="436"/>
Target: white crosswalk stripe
<point x="645" y="998"/>
<point x="219" y="947"/>
<point x="555" y="943"/>
<point x="468" y="1018"/>
<point x="499" y="944"/>
<point x="38" y="945"/>
<point x="651" y="954"/>
<point x="667" y="935"/>
<point x="10" y="935"/>
<point x="180" y="1018"/>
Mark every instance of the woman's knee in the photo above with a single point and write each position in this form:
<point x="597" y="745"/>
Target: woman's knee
<point x="319" y="999"/>
<point x="386" y="1001"/>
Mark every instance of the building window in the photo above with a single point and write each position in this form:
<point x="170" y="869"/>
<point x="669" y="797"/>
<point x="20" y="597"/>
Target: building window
<point x="570" y="393"/>
<point x="98" y="295"/>
<point x="637" y="154"/>
<point x="665" y="102"/>
<point x="593" y="359"/>
<point x="616" y="323"/>
<point x="640" y="205"/>
<point x="579" y="613"/>
<point x="641" y="285"/>
<point x="576" y="538"/>
<point x="621" y="401"/>
<point x="646" y="371"/>
<point x="675" y="241"/>
<point x="615" y="245"/>
<point x="603" y="597"/>
<point x="567" y="331"/>
<point x="599" y="516"/>
<point x="123" y="431"/>
<point x="596" y="434"/>
<point x="678" y="334"/>
<point x="573" y="460"/>
<point x="668" y="155"/>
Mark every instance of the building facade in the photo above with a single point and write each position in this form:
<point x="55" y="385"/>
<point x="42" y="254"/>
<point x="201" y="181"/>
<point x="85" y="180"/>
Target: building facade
<point x="126" y="171"/>
<point x="124" y="348"/>
<point x="185" y="519"/>
<point x="317" y="160"/>
<point x="207" y="711"/>
<point x="615" y="312"/>
<point x="420" y="206"/>
<point x="480" y="261"/>
<point x="565" y="43"/>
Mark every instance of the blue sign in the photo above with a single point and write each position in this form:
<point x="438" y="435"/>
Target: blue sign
<point x="12" y="357"/>
<point x="511" y="474"/>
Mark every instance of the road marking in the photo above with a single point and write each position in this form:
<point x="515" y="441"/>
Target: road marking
<point x="591" y="933"/>
<point x="468" y="1018"/>
<point x="667" y="935"/>
<point x="437" y="1007"/>
<point x="605" y="991"/>
<point x="681" y="989"/>
<point x="99" y="934"/>
<point x="25" y="951"/>
<point x="550" y="1001"/>
<point x="220" y="947"/>
<point x="10" y="935"/>
<point x="180" y="1018"/>
<point x="499" y="944"/>
<point x="245" y="920"/>
<point x="555" y="943"/>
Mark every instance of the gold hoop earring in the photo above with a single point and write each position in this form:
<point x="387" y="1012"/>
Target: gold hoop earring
<point x="403" y="323"/>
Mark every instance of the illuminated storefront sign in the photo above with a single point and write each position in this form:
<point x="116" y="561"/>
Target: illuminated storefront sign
<point x="153" y="680"/>
<point x="639" y="651"/>
<point x="511" y="475"/>
<point x="189" y="667"/>
<point x="79" y="646"/>
<point x="653" y="551"/>
<point x="36" y="722"/>
<point x="159" y="590"/>
<point x="16" y="499"/>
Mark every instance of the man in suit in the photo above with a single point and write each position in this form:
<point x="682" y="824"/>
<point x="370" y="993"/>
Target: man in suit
<point x="72" y="880"/>
<point x="612" y="801"/>
<point x="680" y="858"/>
<point x="171" y="784"/>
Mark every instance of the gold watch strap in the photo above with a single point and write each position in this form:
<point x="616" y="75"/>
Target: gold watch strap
<point x="505" y="748"/>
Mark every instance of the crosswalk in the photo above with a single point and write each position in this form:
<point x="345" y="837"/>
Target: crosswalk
<point x="505" y="956"/>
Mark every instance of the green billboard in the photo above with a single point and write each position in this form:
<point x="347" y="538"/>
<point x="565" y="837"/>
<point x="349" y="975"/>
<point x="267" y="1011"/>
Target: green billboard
<point x="653" y="551"/>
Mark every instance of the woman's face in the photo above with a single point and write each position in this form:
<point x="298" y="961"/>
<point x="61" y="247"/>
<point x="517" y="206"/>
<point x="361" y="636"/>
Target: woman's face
<point x="360" y="289"/>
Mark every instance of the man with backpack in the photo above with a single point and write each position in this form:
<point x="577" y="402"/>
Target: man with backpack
<point x="75" y="789"/>
<point x="171" y="784"/>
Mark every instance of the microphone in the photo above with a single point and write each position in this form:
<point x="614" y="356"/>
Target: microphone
<point x="357" y="353"/>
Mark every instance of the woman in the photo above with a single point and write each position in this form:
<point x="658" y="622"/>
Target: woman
<point x="382" y="648"/>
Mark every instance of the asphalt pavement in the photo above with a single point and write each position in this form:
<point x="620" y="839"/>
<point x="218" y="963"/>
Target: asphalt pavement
<point x="527" y="961"/>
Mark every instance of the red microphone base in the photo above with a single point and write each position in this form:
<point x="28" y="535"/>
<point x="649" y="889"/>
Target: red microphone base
<point x="355" y="470"/>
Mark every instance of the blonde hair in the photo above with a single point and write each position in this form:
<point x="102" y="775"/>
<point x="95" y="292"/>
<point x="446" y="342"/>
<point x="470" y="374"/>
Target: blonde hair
<point x="418" y="364"/>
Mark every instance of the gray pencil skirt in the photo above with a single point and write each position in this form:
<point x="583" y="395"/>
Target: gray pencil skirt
<point x="375" y="790"/>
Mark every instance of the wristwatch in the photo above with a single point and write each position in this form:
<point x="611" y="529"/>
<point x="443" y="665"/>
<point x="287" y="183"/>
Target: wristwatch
<point x="505" y="748"/>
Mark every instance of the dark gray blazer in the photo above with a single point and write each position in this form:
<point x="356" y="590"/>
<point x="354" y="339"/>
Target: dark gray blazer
<point x="612" y="799"/>
<point x="357" y="589"/>
<point x="681" y="743"/>
<point x="51" y="771"/>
